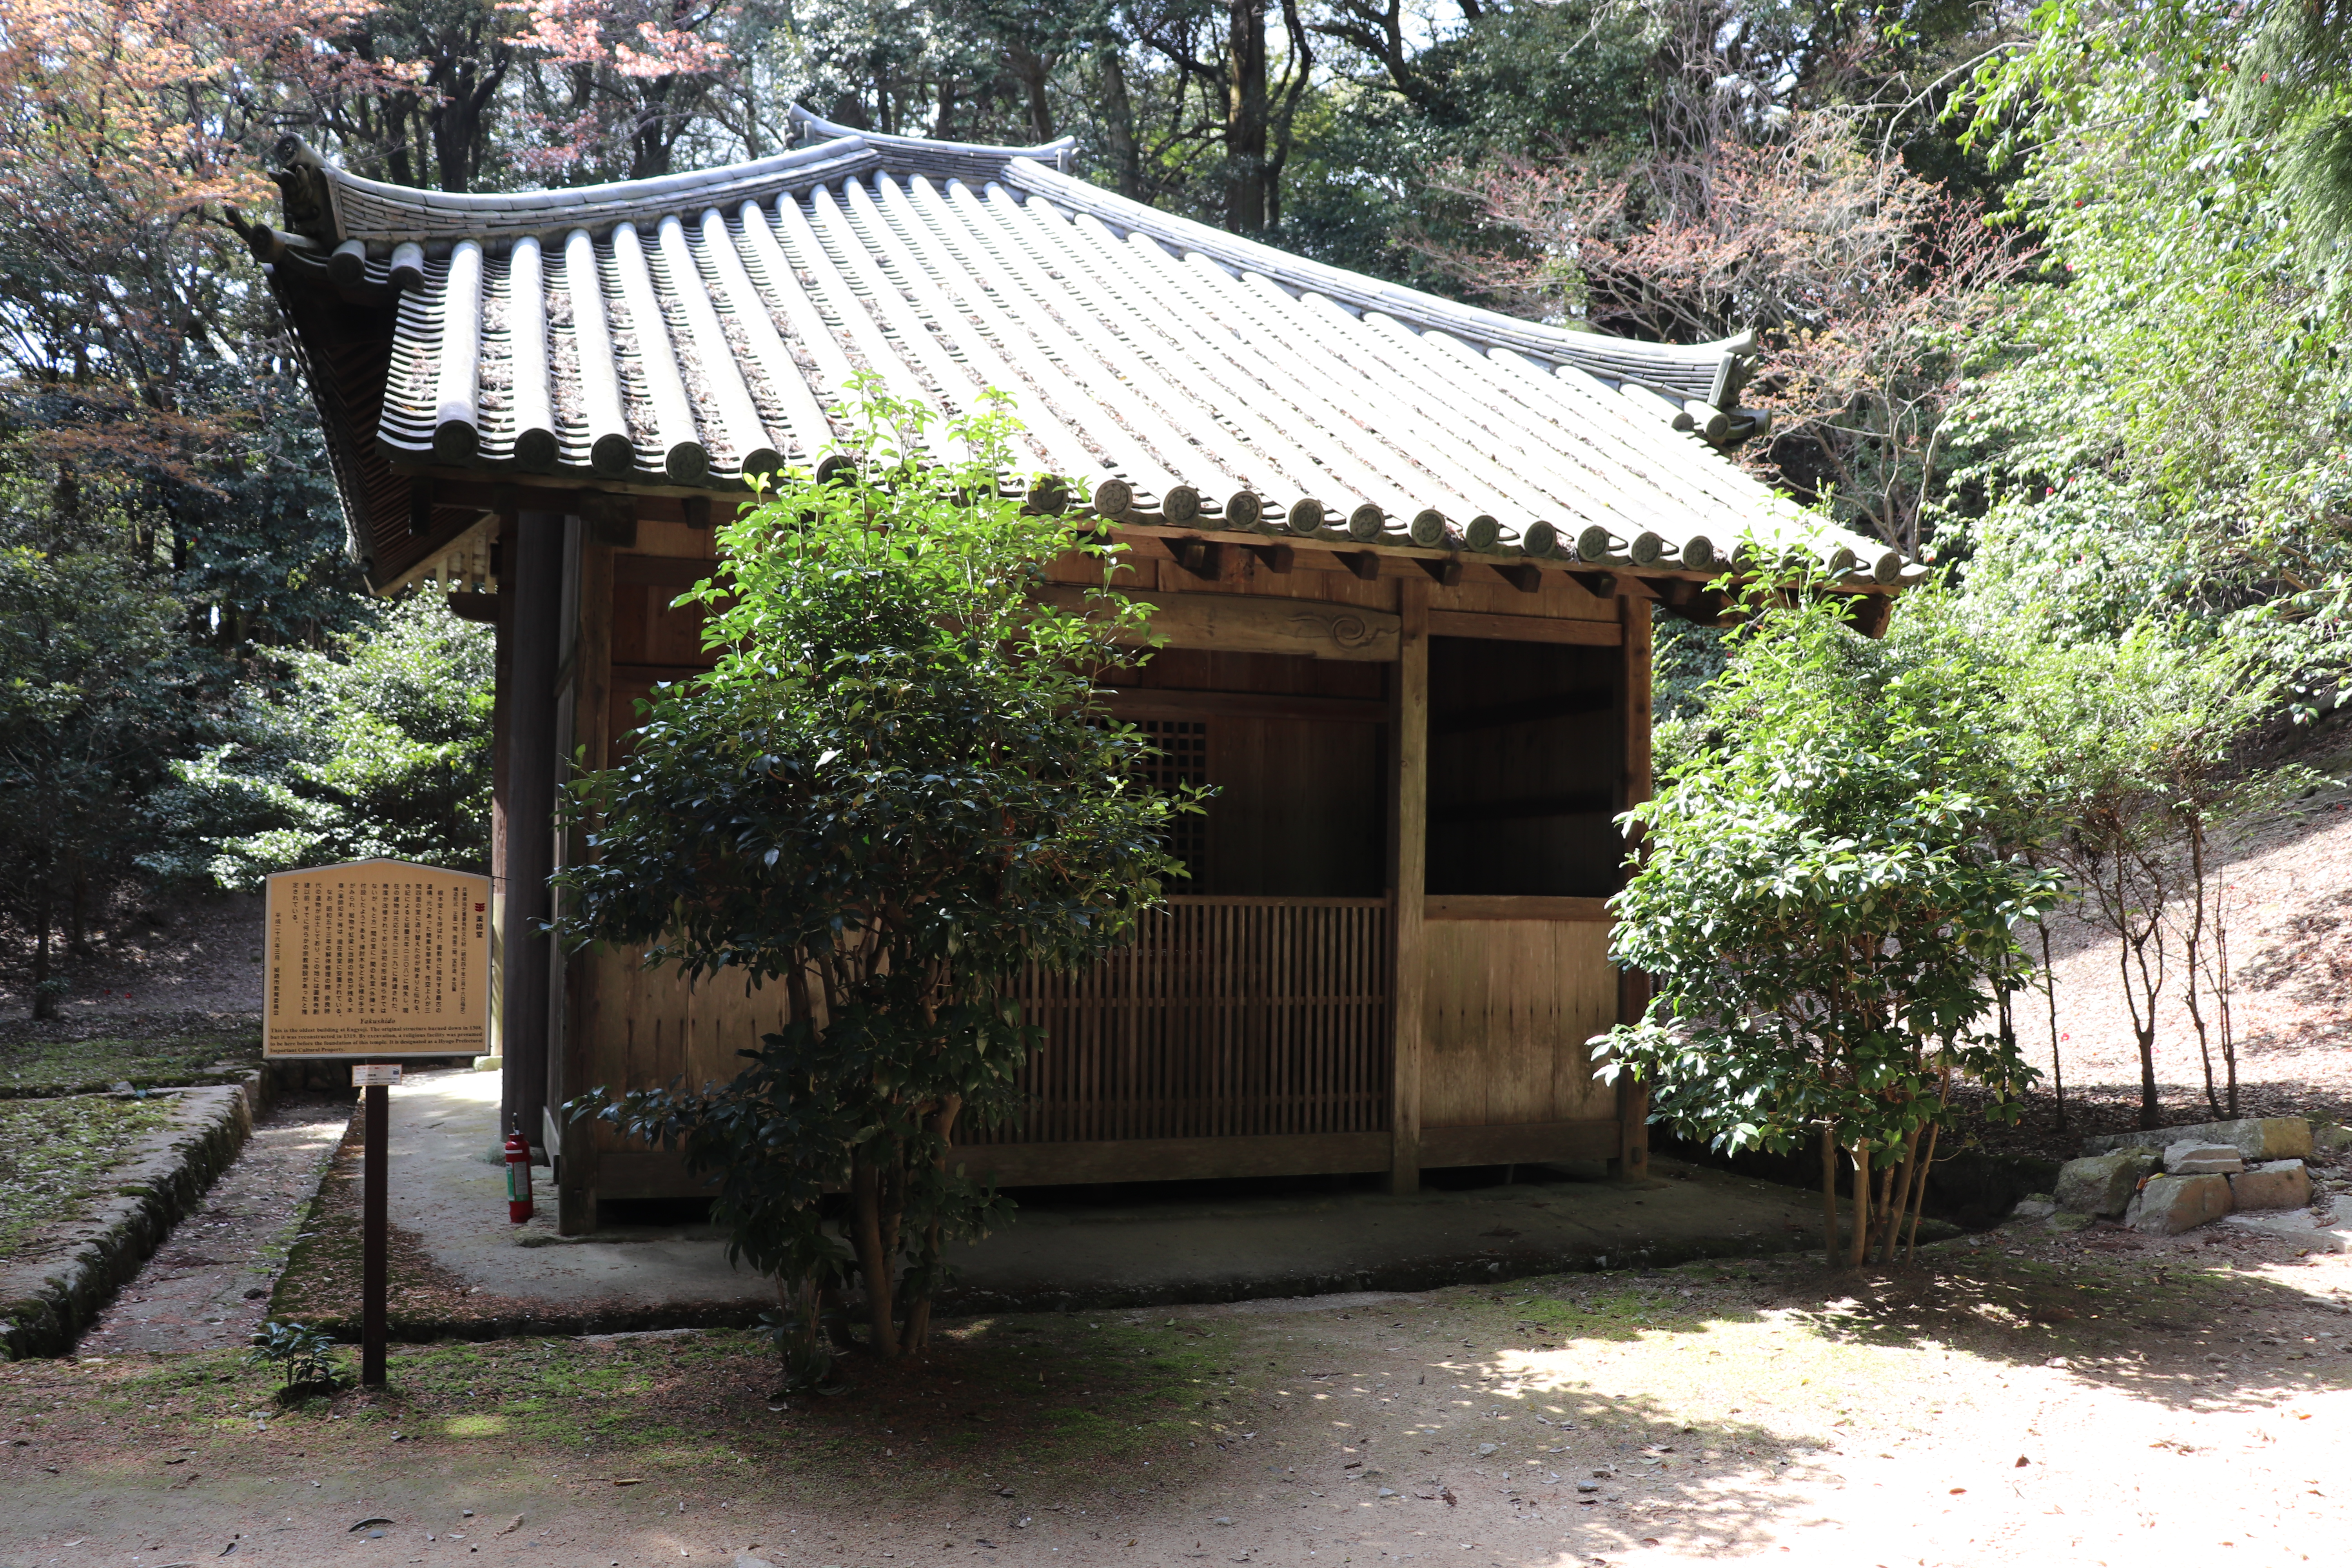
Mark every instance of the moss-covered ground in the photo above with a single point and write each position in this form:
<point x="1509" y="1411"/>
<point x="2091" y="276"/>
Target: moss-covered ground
<point x="164" y="1058"/>
<point x="55" y="1155"/>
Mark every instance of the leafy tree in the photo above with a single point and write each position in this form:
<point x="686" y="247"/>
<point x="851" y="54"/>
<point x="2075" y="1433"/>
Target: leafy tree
<point x="379" y="748"/>
<point x="96" y="690"/>
<point x="1824" y="910"/>
<point x="892" y="793"/>
<point x="2132" y="750"/>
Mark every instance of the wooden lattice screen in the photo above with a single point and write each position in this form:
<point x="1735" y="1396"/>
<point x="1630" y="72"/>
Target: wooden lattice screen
<point x="1230" y="1018"/>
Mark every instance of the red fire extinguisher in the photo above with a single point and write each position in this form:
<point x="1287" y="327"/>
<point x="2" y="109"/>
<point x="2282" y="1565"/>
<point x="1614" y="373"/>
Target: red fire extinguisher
<point x="517" y="1176"/>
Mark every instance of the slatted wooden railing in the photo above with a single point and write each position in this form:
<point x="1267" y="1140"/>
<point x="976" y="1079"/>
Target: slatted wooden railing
<point x="1229" y="1018"/>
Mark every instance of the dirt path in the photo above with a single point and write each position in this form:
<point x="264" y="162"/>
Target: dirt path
<point x="209" y="1287"/>
<point x="2183" y="1398"/>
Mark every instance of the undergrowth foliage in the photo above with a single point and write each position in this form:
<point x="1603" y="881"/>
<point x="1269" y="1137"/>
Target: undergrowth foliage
<point x="1825" y="904"/>
<point x="894" y="791"/>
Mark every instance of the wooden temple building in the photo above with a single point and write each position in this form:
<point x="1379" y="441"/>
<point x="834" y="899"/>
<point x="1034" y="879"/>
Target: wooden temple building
<point x="1406" y="554"/>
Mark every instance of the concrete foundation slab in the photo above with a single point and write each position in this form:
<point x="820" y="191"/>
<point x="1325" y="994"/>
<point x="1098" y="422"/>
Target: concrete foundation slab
<point x="1063" y="1250"/>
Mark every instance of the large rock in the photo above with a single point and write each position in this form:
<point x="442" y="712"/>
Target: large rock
<point x="2167" y="1206"/>
<point x="2262" y="1138"/>
<point x="2273" y="1184"/>
<point x="2191" y="1158"/>
<point x="2103" y="1184"/>
<point x="2327" y="1138"/>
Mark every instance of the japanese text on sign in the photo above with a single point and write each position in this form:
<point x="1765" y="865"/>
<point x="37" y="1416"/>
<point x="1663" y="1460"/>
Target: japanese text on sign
<point x="377" y="958"/>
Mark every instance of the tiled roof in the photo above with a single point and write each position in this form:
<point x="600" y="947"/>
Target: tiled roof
<point x="684" y="331"/>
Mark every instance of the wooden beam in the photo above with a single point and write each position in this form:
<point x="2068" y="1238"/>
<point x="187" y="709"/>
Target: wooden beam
<point x="1409" y="873"/>
<point x="1528" y="711"/>
<point x="1198" y="556"/>
<point x="1364" y="563"/>
<point x="1151" y="703"/>
<point x="480" y="608"/>
<point x="1241" y="623"/>
<point x="1514" y="907"/>
<point x="1523" y="628"/>
<point x="1277" y="559"/>
<point x="1522" y="1143"/>
<point x="535" y="550"/>
<point x="1445" y="574"/>
<point x="1524" y="575"/>
<point x="1599" y="584"/>
<point x="1871" y="613"/>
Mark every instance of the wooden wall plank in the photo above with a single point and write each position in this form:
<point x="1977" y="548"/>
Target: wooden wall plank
<point x="1409" y="860"/>
<point x="1508" y="1008"/>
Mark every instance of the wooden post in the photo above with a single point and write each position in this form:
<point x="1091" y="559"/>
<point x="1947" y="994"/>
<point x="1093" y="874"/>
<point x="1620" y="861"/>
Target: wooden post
<point x="501" y="795"/>
<point x="534" y="575"/>
<point x="1409" y="873"/>
<point x="1634" y="788"/>
<point x="592" y="684"/>
<point x="373" y="1222"/>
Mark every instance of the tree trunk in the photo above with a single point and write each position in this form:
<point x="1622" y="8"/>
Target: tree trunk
<point x="2223" y="1020"/>
<point x="1861" y="1226"/>
<point x="1919" y="1201"/>
<point x="1828" y="1196"/>
<point x="1118" y="119"/>
<point x="1245" y="116"/>
<point x="2195" y="953"/>
<point x="2049" y="991"/>
<point x="1899" y="1200"/>
<point x="918" y="1315"/>
<point x="873" y="1259"/>
<point x="45" y="1006"/>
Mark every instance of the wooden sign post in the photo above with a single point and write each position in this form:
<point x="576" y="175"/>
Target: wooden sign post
<point x="373" y="960"/>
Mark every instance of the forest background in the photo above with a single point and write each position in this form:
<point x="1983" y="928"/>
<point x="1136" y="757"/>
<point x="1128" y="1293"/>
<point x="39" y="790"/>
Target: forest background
<point x="2053" y="298"/>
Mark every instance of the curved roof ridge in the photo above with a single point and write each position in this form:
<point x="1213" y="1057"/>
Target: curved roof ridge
<point x="382" y="215"/>
<point x="1057" y="151"/>
<point x="1675" y="365"/>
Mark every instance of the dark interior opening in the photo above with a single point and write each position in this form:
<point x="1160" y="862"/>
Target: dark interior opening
<point x="1526" y="751"/>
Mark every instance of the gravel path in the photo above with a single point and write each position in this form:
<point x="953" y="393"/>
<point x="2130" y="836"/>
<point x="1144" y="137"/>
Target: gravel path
<point x="209" y="1287"/>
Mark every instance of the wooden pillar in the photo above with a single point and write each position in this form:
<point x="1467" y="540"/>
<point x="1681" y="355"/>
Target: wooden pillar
<point x="1408" y="874"/>
<point x="501" y="711"/>
<point x="574" y="1069"/>
<point x="1634" y="788"/>
<point x="533" y="560"/>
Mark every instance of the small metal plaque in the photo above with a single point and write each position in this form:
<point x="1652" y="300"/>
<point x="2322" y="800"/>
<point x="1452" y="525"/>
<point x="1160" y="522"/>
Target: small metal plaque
<point x="367" y="1074"/>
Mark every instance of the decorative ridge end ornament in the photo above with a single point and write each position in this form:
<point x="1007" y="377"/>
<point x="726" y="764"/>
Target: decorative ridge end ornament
<point x="306" y="189"/>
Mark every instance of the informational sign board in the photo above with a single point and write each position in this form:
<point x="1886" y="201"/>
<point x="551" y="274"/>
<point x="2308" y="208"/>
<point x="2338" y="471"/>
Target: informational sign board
<point x="376" y="958"/>
<point x="370" y="1074"/>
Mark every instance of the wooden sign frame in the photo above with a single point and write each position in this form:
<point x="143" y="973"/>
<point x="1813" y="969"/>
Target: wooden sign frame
<point x="376" y="961"/>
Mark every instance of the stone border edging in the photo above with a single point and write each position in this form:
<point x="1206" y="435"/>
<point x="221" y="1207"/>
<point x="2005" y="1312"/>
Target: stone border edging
<point x="45" y="1303"/>
<point x="1403" y="1276"/>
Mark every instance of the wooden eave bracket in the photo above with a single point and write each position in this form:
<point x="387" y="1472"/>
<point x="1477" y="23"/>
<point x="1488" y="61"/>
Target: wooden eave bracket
<point x="1199" y="556"/>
